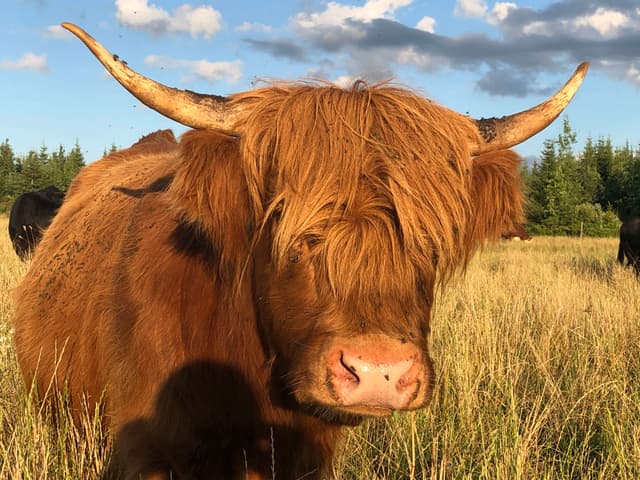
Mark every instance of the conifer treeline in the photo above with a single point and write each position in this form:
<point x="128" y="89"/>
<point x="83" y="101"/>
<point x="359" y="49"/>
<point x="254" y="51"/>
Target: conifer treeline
<point x="567" y="193"/>
<point x="588" y="193"/>
<point x="36" y="170"/>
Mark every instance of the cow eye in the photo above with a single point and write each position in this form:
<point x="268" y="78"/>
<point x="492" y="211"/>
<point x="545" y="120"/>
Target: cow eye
<point x="294" y="257"/>
<point x="302" y="248"/>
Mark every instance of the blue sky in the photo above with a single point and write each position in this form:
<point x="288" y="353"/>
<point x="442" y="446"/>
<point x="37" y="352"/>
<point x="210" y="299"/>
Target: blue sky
<point x="479" y="57"/>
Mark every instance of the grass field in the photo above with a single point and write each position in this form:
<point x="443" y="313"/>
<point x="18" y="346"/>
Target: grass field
<point x="537" y="351"/>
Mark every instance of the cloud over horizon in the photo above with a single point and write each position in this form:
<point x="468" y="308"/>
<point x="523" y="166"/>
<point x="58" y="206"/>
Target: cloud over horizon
<point x="527" y="42"/>
<point x="57" y="32"/>
<point x="199" y="69"/>
<point x="202" y="21"/>
<point x="29" y="61"/>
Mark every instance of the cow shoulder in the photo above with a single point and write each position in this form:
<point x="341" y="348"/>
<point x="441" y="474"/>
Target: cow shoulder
<point x="209" y="195"/>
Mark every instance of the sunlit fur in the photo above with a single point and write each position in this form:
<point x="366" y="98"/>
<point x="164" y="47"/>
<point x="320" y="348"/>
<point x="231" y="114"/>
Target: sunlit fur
<point x="197" y="284"/>
<point x="366" y="166"/>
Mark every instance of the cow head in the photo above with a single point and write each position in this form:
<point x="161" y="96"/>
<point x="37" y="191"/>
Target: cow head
<point x="352" y="206"/>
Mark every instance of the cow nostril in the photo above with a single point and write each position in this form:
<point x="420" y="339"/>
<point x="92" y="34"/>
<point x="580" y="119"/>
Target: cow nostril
<point x="408" y="380"/>
<point x="352" y="375"/>
<point x="405" y="382"/>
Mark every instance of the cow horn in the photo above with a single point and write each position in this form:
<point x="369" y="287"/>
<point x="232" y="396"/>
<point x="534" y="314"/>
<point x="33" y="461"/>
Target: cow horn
<point x="505" y="132"/>
<point x="192" y="109"/>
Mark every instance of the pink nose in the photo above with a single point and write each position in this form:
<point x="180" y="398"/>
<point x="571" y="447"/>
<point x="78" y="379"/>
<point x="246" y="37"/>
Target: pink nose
<point x="376" y="372"/>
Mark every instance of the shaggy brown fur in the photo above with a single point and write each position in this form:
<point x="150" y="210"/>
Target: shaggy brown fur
<point x="322" y="148"/>
<point x="199" y="284"/>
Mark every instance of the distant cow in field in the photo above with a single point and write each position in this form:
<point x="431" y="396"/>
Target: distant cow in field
<point x="630" y="244"/>
<point x="30" y="215"/>
<point x="516" y="233"/>
<point x="239" y="296"/>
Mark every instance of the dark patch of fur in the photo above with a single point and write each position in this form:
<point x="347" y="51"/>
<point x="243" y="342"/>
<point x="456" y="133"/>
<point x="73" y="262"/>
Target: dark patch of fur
<point x="191" y="240"/>
<point x="161" y="184"/>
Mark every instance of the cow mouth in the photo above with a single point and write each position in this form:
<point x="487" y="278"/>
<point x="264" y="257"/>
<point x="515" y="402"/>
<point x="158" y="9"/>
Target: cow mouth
<point x="333" y="410"/>
<point x="346" y="415"/>
<point x="368" y="410"/>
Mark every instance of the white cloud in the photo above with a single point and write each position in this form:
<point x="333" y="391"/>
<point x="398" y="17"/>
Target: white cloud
<point x="57" y="32"/>
<point x="212" y="71"/>
<point x="422" y="60"/>
<point x="199" y="69"/>
<point x="633" y="75"/>
<point x="336" y="14"/>
<point x="622" y="70"/>
<point x="537" y="28"/>
<point x="202" y="21"/>
<point x="249" y="26"/>
<point x="500" y="12"/>
<point x="138" y="14"/>
<point x="606" y="22"/>
<point x="344" y="81"/>
<point x="340" y="24"/>
<point x="427" y="24"/>
<point x="29" y="61"/>
<point x="470" y="8"/>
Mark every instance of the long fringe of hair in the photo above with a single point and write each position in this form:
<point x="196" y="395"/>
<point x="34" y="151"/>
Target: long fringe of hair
<point x="378" y="179"/>
<point x="377" y="173"/>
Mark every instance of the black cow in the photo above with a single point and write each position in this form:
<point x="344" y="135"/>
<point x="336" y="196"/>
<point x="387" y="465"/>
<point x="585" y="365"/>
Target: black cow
<point x="30" y="215"/>
<point x="630" y="244"/>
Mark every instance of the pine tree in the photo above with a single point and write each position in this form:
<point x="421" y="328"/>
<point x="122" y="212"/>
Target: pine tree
<point x="73" y="163"/>
<point x="573" y="191"/>
<point x="592" y="187"/>
<point x="113" y="148"/>
<point x="56" y="167"/>
<point x="539" y="178"/>
<point x="7" y="167"/>
<point x="604" y="161"/>
<point x="630" y="201"/>
<point x="32" y="172"/>
<point x="617" y="187"/>
<point x="559" y="209"/>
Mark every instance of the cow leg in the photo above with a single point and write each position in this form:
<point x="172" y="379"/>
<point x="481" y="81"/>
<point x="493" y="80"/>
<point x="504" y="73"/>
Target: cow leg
<point x="621" y="253"/>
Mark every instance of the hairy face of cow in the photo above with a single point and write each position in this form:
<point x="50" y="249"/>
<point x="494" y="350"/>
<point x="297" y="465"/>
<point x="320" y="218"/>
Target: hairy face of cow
<point x="349" y="222"/>
<point x="347" y="318"/>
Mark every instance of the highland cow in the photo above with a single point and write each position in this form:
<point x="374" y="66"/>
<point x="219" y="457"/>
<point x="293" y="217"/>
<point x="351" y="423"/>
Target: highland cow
<point x="239" y="296"/>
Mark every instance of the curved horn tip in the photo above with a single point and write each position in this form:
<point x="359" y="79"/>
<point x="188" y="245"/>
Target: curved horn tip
<point x="583" y="67"/>
<point x="183" y="106"/>
<point x="70" y="26"/>
<point x="76" y="30"/>
<point x="581" y="71"/>
<point x="507" y="131"/>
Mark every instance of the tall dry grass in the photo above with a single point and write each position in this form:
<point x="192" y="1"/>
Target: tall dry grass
<point x="30" y="446"/>
<point x="537" y="352"/>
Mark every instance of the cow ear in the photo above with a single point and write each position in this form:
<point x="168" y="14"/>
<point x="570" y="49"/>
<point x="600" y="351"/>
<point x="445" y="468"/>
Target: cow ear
<point x="496" y="197"/>
<point x="210" y="192"/>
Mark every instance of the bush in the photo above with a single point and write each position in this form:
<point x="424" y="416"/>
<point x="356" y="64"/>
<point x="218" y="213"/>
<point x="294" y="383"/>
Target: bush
<point x="592" y="221"/>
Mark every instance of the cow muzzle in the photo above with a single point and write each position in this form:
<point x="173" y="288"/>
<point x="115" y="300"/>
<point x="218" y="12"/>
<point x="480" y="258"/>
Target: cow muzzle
<point x="376" y="375"/>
